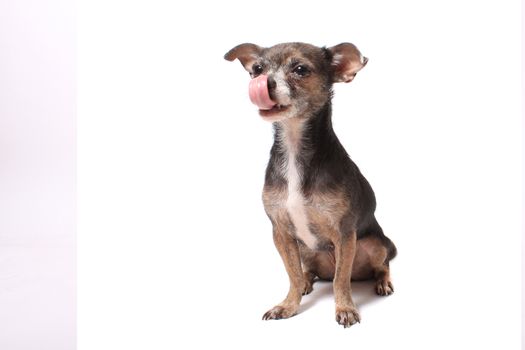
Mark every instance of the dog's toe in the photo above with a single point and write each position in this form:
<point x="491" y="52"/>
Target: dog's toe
<point x="308" y="288"/>
<point x="278" y="312"/>
<point x="384" y="288"/>
<point x="347" y="316"/>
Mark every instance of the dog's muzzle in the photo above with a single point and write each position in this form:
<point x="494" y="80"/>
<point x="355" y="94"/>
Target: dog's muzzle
<point x="259" y="94"/>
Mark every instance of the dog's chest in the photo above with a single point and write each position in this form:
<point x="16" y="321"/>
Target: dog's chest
<point x="295" y="204"/>
<point x="313" y="218"/>
<point x="291" y="205"/>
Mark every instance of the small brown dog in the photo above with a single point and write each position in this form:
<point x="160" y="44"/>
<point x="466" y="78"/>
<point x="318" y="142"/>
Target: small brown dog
<point x="320" y="205"/>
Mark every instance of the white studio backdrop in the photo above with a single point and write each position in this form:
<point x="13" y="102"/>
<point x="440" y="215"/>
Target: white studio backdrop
<point x="175" y="250"/>
<point x="37" y="175"/>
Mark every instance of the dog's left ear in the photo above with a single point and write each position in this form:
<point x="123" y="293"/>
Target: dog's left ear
<point x="246" y="53"/>
<point x="347" y="61"/>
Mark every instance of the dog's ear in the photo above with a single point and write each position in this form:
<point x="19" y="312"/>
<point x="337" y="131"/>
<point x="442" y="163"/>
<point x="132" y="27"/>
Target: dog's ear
<point x="246" y="53"/>
<point x="346" y="61"/>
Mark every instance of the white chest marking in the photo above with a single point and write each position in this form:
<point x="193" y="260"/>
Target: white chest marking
<point x="295" y="201"/>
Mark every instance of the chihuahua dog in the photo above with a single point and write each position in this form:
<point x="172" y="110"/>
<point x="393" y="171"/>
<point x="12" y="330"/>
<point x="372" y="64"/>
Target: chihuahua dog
<point x="320" y="205"/>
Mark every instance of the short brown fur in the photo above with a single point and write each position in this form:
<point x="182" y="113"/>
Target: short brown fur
<point x="335" y="213"/>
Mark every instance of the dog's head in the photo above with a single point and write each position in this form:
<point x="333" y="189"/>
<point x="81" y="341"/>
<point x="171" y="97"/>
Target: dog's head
<point x="295" y="79"/>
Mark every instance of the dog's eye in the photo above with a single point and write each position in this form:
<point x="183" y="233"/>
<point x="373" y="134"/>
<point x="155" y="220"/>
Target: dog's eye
<point x="301" y="70"/>
<point x="257" y="69"/>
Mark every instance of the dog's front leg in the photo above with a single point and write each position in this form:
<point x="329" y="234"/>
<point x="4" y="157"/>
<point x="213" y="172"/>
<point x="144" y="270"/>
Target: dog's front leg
<point x="346" y="313"/>
<point x="289" y="251"/>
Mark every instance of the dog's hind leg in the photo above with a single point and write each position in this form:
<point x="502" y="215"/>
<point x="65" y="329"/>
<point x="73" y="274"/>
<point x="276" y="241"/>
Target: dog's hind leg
<point x="382" y="270"/>
<point x="384" y="285"/>
<point x="314" y="265"/>
<point x="309" y="278"/>
<point x="372" y="261"/>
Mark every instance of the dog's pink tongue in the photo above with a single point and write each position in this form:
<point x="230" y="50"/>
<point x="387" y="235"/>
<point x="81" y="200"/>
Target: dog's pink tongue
<point x="259" y="94"/>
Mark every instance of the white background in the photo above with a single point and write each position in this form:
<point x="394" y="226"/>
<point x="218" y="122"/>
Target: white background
<point x="175" y="250"/>
<point x="37" y="175"/>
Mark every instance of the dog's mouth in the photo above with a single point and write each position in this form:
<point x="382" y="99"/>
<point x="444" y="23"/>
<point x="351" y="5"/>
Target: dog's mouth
<point x="274" y="110"/>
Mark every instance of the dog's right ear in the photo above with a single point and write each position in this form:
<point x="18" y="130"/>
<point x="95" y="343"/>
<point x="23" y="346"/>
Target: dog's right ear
<point x="246" y="53"/>
<point x="347" y="60"/>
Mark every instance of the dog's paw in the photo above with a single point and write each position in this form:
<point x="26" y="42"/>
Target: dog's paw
<point x="278" y="312"/>
<point x="308" y="287"/>
<point x="384" y="288"/>
<point x="347" y="316"/>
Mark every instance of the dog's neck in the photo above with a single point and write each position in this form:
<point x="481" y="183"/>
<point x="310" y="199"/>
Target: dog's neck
<point x="310" y="143"/>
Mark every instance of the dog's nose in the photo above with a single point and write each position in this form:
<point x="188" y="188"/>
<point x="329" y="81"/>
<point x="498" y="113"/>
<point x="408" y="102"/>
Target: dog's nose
<point x="271" y="84"/>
